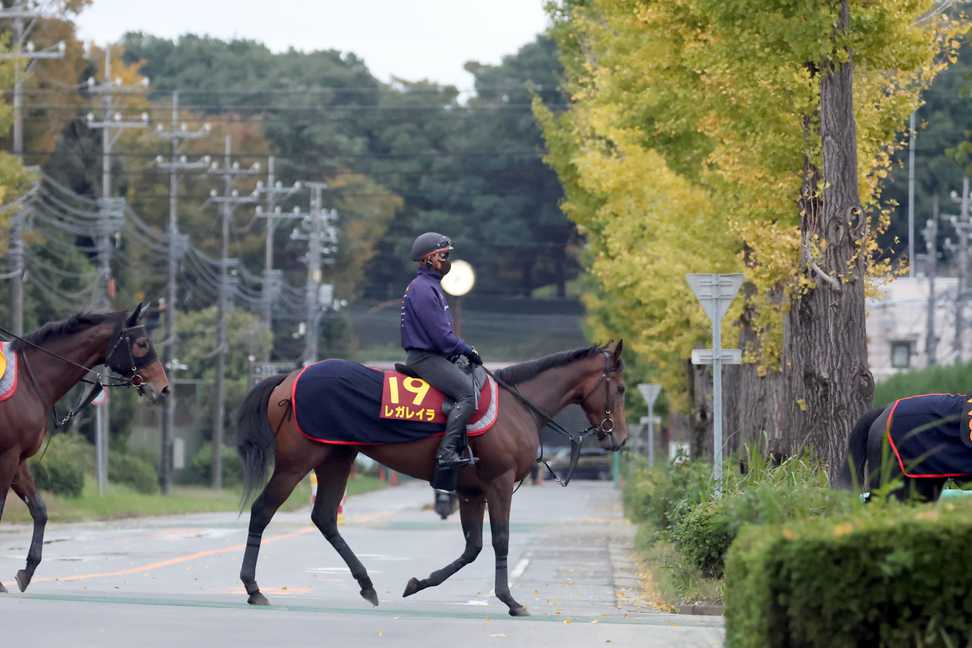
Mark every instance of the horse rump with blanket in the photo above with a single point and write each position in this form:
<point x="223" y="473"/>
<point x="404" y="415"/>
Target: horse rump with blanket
<point x="918" y="442"/>
<point x="318" y="418"/>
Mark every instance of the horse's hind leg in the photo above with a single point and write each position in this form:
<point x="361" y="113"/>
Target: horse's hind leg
<point x="499" y="497"/>
<point x="278" y="489"/>
<point x="332" y="478"/>
<point x="23" y="485"/>
<point x="471" y="513"/>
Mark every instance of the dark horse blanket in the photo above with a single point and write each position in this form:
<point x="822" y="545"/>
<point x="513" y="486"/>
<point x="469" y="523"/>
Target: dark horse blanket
<point x="339" y="402"/>
<point x="930" y="435"/>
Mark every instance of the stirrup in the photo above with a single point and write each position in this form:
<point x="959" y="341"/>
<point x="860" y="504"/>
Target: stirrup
<point x="468" y="460"/>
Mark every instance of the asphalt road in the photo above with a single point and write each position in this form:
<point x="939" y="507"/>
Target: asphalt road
<point x="173" y="581"/>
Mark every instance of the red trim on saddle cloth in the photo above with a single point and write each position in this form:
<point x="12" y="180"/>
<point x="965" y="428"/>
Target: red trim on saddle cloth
<point x="479" y="423"/>
<point x="12" y="364"/>
<point x="894" y="448"/>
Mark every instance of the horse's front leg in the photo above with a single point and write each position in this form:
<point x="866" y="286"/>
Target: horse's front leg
<point x="25" y="488"/>
<point x="9" y="462"/>
<point x="471" y="513"/>
<point x="499" y="496"/>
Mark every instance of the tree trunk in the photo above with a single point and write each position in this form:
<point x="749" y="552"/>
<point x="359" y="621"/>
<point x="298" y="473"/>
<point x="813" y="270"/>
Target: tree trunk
<point x="700" y="418"/>
<point x="754" y="403"/>
<point x="828" y="383"/>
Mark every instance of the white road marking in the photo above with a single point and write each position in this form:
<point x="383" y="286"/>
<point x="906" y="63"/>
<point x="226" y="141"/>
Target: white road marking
<point x="519" y="569"/>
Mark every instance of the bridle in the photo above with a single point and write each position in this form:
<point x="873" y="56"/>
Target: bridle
<point x="604" y="429"/>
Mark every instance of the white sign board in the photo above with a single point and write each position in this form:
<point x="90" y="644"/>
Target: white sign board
<point x="649" y="391"/>
<point x="715" y="292"/>
<point x="726" y="356"/>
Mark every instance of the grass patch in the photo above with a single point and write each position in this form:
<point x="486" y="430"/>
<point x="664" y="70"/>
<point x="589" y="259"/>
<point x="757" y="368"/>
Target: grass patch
<point x="124" y="502"/>
<point x="675" y="581"/>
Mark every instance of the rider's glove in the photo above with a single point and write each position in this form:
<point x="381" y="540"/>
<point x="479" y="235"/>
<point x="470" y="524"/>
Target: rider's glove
<point x="473" y="356"/>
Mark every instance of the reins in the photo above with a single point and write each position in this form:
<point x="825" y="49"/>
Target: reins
<point x="576" y="439"/>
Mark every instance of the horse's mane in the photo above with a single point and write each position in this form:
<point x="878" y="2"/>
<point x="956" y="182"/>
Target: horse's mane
<point x="70" y="326"/>
<point x="525" y="371"/>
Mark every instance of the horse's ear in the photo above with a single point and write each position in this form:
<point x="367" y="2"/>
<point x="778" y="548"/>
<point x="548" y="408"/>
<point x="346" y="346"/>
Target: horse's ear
<point x="133" y="318"/>
<point x="617" y="352"/>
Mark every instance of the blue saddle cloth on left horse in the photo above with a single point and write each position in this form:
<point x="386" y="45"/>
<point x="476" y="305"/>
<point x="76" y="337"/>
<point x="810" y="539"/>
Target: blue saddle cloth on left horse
<point x="340" y="402"/>
<point x="930" y="435"/>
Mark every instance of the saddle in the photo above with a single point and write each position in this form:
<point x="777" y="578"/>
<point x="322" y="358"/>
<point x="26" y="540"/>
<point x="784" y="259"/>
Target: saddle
<point x="477" y="372"/>
<point x="8" y="371"/>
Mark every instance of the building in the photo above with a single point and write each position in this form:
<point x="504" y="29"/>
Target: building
<point x="897" y="326"/>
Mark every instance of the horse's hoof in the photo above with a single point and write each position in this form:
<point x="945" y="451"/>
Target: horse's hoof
<point x="370" y="595"/>
<point x="23" y="580"/>
<point x="257" y="598"/>
<point x="519" y="610"/>
<point x="412" y="587"/>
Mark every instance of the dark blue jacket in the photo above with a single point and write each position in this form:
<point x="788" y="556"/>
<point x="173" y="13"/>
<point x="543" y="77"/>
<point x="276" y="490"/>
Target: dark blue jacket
<point x="426" y="320"/>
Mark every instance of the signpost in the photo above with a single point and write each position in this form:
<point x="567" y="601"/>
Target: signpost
<point x="715" y="292"/>
<point x="650" y="391"/>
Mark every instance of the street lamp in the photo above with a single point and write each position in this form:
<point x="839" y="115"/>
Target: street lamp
<point x="458" y="282"/>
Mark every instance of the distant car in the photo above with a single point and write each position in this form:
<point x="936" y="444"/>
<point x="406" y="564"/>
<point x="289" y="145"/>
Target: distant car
<point x="594" y="463"/>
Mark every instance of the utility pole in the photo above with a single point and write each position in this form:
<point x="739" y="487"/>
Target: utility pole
<point x="271" y="191"/>
<point x="112" y="210"/>
<point x="177" y="246"/>
<point x="912" y="136"/>
<point x="931" y="246"/>
<point x="963" y="229"/>
<point x="111" y="121"/>
<point x="322" y="240"/>
<point x="228" y="201"/>
<point x="21" y="50"/>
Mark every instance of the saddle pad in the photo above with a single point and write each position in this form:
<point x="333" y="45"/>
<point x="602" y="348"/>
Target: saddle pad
<point x="338" y="402"/>
<point x="926" y="434"/>
<point x="8" y="371"/>
<point x="407" y="398"/>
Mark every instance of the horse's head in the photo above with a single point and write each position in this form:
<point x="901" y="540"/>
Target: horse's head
<point x="603" y="397"/>
<point x="133" y="356"/>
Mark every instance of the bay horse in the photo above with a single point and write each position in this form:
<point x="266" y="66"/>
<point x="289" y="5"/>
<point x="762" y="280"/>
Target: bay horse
<point x="591" y="377"/>
<point x="50" y="361"/>
<point x="873" y="462"/>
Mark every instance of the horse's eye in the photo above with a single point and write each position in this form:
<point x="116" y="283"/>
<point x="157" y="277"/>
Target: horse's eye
<point x="620" y="389"/>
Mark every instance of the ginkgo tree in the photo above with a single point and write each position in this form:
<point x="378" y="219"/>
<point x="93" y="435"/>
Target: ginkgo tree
<point x="743" y="135"/>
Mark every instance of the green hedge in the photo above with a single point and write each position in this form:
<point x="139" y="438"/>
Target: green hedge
<point x="889" y="576"/>
<point x="133" y="471"/>
<point x="954" y="378"/>
<point x="60" y="466"/>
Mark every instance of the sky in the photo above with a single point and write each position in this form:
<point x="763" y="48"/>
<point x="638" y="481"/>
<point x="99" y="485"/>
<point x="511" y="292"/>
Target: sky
<point x="409" y="39"/>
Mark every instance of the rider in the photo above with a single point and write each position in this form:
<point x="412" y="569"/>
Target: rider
<point x="432" y="346"/>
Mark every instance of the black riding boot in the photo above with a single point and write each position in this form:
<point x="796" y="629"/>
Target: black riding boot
<point x="450" y="449"/>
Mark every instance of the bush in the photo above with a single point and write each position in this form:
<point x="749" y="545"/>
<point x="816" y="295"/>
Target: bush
<point x="201" y="467"/>
<point x="59" y="468"/>
<point x="662" y="494"/>
<point x="133" y="471"/>
<point x="889" y="576"/>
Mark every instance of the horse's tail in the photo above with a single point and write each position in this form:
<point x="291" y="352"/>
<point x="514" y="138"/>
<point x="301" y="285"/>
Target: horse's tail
<point x="853" y="470"/>
<point x="254" y="436"/>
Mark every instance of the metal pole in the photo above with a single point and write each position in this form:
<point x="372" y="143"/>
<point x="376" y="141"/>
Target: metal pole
<point x="100" y="450"/>
<point x="651" y="434"/>
<point x="912" y="136"/>
<point x="717" y="404"/>
<point x="313" y="273"/>
<point x="221" y="358"/>
<point x="931" y="246"/>
<point x="168" y="413"/>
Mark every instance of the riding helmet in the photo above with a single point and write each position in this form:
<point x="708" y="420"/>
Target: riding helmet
<point x="429" y="242"/>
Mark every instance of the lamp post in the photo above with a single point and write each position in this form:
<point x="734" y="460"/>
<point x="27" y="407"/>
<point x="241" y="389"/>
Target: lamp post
<point x="458" y="282"/>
